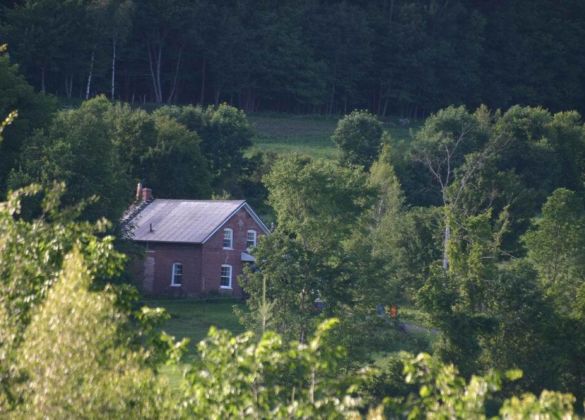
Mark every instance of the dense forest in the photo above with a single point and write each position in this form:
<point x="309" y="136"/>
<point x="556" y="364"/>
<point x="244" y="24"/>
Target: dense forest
<point x="305" y="56"/>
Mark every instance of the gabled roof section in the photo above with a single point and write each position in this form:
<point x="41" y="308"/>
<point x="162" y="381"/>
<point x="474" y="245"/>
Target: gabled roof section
<point x="185" y="221"/>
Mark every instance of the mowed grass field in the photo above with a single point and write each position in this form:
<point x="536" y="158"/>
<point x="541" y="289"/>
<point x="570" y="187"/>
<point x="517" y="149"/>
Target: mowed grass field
<point x="311" y="135"/>
<point x="192" y="318"/>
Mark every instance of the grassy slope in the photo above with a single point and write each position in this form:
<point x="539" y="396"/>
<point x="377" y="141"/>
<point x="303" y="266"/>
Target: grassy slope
<point x="311" y="135"/>
<point x="191" y="319"/>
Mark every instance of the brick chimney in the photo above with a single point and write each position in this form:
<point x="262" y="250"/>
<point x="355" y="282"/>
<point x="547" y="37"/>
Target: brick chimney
<point x="146" y="194"/>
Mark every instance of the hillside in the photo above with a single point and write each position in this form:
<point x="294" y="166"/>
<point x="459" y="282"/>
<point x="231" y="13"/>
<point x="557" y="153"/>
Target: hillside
<point x="311" y="135"/>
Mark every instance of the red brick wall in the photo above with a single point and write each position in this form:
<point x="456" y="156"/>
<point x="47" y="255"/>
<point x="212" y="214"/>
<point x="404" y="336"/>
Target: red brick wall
<point x="214" y="255"/>
<point x="201" y="263"/>
<point x="165" y="255"/>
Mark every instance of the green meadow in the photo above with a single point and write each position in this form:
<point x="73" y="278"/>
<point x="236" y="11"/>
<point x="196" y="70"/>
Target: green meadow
<point x="311" y="135"/>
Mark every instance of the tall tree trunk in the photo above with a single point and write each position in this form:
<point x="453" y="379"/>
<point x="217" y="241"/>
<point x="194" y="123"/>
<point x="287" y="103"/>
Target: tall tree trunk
<point x="154" y="59"/>
<point x="385" y="110"/>
<point x="43" y="87"/>
<point x="114" y="44"/>
<point x="158" y="74"/>
<point x="176" y="76"/>
<point x="90" y="76"/>
<point x="203" y="70"/>
<point x="332" y="99"/>
<point x="446" y="239"/>
<point x="68" y="86"/>
<point x="379" y="101"/>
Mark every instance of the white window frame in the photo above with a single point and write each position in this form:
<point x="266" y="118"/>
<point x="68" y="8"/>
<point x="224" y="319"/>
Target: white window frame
<point x="174" y="274"/>
<point x="231" y="233"/>
<point x="255" y="241"/>
<point x="221" y="286"/>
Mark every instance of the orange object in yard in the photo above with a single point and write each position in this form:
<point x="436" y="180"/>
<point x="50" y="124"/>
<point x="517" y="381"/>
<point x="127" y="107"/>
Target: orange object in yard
<point x="394" y="311"/>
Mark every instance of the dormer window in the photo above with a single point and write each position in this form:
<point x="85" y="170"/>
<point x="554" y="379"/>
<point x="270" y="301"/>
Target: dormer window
<point x="228" y="238"/>
<point x="251" y="239"/>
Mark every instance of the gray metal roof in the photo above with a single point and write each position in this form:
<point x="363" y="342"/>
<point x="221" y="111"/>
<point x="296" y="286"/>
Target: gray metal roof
<point x="186" y="221"/>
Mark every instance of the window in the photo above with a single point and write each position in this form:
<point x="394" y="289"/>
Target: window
<point x="251" y="239"/>
<point x="177" y="275"/>
<point x="228" y="238"/>
<point x="225" y="281"/>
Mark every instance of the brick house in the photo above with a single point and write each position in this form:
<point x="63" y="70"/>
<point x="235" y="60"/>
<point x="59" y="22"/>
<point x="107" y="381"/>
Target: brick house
<point x="192" y="247"/>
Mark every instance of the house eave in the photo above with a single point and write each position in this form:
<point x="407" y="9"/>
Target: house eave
<point x="252" y="214"/>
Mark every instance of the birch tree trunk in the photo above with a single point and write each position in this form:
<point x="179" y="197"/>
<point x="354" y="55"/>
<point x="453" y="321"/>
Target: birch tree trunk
<point x="69" y="86"/>
<point x="154" y="61"/>
<point x="90" y="76"/>
<point x="176" y="76"/>
<point x="203" y="69"/>
<point x="114" y="44"/>
<point x="446" y="239"/>
<point x="43" y="87"/>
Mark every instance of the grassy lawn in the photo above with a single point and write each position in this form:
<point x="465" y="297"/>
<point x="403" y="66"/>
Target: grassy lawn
<point x="289" y="133"/>
<point x="311" y="135"/>
<point x="191" y="319"/>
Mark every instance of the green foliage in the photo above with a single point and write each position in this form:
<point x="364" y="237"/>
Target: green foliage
<point x="177" y="157"/>
<point x="242" y="376"/>
<point x="418" y="247"/>
<point x="77" y="149"/>
<point x="7" y="121"/>
<point x="441" y="146"/>
<point x="134" y="136"/>
<point x="288" y="279"/>
<point x="154" y="147"/>
<point x="225" y="134"/>
<point x="318" y="201"/>
<point x="49" y="301"/>
<point x="31" y="259"/>
<point x="34" y="111"/>
<point x="94" y="372"/>
<point x="402" y="240"/>
<point x="319" y="255"/>
<point x="359" y="138"/>
<point x="444" y="394"/>
<point x="556" y="246"/>
<point x="102" y="150"/>
<point x="550" y="405"/>
<point x="33" y="250"/>
<point x="526" y="330"/>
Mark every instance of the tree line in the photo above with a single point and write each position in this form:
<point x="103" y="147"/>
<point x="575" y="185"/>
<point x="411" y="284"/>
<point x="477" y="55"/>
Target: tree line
<point x="407" y="58"/>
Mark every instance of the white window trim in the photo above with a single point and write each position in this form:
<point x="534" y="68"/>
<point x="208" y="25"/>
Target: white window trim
<point x="173" y="284"/>
<point x="255" y="238"/>
<point x="231" y="231"/>
<point x="231" y="277"/>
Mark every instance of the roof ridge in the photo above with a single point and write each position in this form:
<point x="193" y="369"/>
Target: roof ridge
<point x="200" y="201"/>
